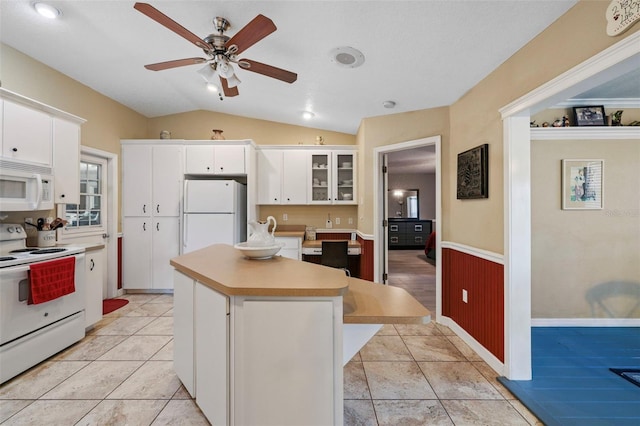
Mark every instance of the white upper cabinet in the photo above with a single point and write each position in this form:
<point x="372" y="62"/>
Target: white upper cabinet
<point x="136" y="180"/>
<point x="282" y="176"/>
<point x="215" y="160"/>
<point x="167" y="180"/>
<point x="66" y="161"/>
<point x="26" y="134"/>
<point x="333" y="177"/>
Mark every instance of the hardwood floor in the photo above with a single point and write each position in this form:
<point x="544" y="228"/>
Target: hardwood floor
<point x="409" y="269"/>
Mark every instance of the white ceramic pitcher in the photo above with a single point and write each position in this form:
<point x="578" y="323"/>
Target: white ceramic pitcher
<point x="260" y="235"/>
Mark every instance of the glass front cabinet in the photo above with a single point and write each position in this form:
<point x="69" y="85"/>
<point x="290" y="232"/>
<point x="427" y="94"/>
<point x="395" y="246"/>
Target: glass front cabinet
<point x="333" y="177"/>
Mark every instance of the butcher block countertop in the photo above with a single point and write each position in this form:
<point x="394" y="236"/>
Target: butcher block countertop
<point x="225" y="269"/>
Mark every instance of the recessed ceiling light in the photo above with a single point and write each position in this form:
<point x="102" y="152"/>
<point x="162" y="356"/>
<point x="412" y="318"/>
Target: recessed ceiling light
<point x="307" y="115"/>
<point x="347" y="57"/>
<point x="389" y="104"/>
<point x="47" y="10"/>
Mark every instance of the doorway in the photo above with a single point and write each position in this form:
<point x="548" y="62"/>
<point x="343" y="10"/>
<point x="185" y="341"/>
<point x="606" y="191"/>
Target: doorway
<point x="408" y="268"/>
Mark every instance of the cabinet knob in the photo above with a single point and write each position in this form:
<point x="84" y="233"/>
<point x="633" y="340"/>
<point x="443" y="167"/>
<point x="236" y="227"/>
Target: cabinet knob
<point x="14" y="149"/>
<point x="208" y="168"/>
<point x="144" y="226"/>
<point x="158" y="208"/>
<point x="61" y="195"/>
<point x="93" y="265"/>
<point x="144" y="208"/>
<point x="221" y="169"/>
<point x="157" y="226"/>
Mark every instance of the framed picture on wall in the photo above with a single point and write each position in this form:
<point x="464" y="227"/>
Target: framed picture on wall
<point x="589" y="116"/>
<point x="473" y="173"/>
<point x="582" y="184"/>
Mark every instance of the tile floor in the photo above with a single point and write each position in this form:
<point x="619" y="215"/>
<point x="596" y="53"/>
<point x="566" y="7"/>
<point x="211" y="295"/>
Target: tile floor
<point x="121" y="373"/>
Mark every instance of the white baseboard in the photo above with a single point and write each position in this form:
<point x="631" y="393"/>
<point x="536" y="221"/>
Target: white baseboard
<point x="585" y="322"/>
<point x="486" y="356"/>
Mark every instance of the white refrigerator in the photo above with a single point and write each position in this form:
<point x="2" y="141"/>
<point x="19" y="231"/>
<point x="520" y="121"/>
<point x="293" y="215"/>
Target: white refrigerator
<point x="215" y="211"/>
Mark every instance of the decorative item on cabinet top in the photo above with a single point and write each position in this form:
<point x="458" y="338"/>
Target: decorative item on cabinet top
<point x="217" y="135"/>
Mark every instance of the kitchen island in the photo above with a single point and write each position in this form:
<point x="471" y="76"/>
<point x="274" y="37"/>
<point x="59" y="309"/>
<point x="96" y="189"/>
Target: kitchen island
<point x="261" y="341"/>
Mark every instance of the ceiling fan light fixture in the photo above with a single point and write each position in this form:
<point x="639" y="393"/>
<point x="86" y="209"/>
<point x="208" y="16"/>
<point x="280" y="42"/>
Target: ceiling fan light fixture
<point x="347" y="57"/>
<point x="207" y="72"/>
<point x="212" y="87"/>
<point x="307" y="115"/>
<point x="47" y="10"/>
<point x="233" y="81"/>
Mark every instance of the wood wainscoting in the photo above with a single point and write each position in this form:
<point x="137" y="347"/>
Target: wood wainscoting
<point x="482" y="316"/>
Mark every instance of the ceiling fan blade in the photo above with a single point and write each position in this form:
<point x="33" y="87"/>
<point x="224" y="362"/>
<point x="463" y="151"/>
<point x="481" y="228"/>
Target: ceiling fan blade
<point x="174" y="64"/>
<point x="268" y="70"/>
<point x="228" y="91"/>
<point x="163" y="19"/>
<point x="250" y="34"/>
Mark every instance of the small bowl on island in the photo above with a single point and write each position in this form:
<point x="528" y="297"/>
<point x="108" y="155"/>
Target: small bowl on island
<point x="258" y="252"/>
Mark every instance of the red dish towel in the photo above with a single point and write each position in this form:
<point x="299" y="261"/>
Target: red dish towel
<point x="50" y="280"/>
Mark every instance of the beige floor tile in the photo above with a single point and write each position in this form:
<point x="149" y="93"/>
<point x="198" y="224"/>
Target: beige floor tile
<point x="355" y="381"/>
<point x="165" y="353"/>
<point x="387" y="330"/>
<point x="181" y="413"/>
<point x="154" y="380"/>
<point x="432" y="348"/>
<point x="162" y="298"/>
<point x="136" y="348"/>
<point x="458" y="380"/>
<point x="139" y="297"/>
<point x="359" y="413"/>
<point x="161" y="326"/>
<point x="474" y="412"/>
<point x="150" y="310"/>
<point x="114" y="412"/>
<point x="445" y="330"/>
<point x="181" y="393"/>
<point x="90" y="348"/>
<point x="465" y="349"/>
<point x="35" y="382"/>
<point x="397" y="380"/>
<point x="95" y="381"/>
<point x="124" y="326"/>
<point x="9" y="407"/>
<point x="169" y="313"/>
<point x="491" y="375"/>
<point x="55" y="413"/>
<point x="123" y="311"/>
<point x="524" y="412"/>
<point x="411" y="413"/>
<point x="418" y="329"/>
<point x="385" y="348"/>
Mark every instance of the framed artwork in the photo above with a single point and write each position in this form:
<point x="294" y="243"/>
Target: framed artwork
<point x="582" y="184"/>
<point x="589" y="116"/>
<point x="473" y="173"/>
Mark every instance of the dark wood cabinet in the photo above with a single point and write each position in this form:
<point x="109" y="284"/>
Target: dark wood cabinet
<point x="408" y="233"/>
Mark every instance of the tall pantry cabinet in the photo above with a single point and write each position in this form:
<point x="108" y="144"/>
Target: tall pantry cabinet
<point x="152" y="175"/>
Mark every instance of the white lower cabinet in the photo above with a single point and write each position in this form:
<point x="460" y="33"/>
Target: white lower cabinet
<point x="183" y="341"/>
<point x="94" y="278"/>
<point x="292" y="248"/>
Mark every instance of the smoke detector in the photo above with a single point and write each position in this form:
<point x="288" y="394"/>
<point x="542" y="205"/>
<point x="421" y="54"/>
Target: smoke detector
<point x="389" y="104"/>
<point x="347" y="57"/>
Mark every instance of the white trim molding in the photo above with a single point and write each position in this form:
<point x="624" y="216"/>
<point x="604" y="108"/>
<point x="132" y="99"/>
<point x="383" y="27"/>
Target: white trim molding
<point x="473" y="251"/>
<point x="585" y="322"/>
<point x="584" y="133"/>
<point x="606" y="102"/>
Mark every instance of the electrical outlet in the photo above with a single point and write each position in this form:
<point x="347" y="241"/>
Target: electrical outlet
<point x="28" y="220"/>
<point x="465" y="295"/>
<point x="350" y="221"/>
<point x="285" y="217"/>
<point x="337" y="221"/>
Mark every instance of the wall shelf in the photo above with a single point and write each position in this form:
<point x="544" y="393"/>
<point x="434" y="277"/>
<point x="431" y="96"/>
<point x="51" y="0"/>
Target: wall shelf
<point x="593" y="133"/>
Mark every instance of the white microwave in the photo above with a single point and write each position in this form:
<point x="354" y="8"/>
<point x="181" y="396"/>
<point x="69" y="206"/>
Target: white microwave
<point x="25" y="187"/>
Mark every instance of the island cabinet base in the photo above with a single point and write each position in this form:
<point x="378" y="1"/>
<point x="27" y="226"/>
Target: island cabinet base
<point x="258" y="359"/>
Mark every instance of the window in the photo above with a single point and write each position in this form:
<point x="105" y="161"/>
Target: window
<point x="89" y="214"/>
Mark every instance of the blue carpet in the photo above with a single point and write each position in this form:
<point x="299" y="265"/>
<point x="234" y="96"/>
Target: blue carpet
<point x="572" y="383"/>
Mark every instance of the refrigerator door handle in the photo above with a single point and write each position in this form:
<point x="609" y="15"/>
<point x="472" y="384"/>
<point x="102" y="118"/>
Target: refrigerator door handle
<point x="186" y="195"/>
<point x="184" y="231"/>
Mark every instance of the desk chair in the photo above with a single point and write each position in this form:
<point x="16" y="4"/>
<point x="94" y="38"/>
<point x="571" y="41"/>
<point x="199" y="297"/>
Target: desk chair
<point x="335" y="254"/>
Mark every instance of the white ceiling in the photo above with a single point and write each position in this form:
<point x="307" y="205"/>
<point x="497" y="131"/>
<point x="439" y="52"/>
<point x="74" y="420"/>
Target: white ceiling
<point x="420" y="54"/>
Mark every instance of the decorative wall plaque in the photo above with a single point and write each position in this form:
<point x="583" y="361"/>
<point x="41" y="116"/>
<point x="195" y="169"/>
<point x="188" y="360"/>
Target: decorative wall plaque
<point x="473" y="173"/>
<point x="621" y="14"/>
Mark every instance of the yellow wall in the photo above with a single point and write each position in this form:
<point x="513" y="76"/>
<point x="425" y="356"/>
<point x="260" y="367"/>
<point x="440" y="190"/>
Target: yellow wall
<point x="573" y="251"/>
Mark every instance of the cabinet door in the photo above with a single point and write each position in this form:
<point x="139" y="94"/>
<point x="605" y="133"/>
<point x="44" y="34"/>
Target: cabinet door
<point x="26" y="134"/>
<point x="292" y="247"/>
<point x="94" y="264"/>
<point x="167" y="180"/>
<point x="344" y="178"/>
<point x="66" y="161"/>
<point x="136" y="253"/>
<point x="166" y="245"/>
<point x="212" y="354"/>
<point x="199" y="159"/>
<point x="294" y="177"/>
<point x="320" y="178"/>
<point x="270" y="177"/>
<point x="183" y="329"/>
<point x="136" y="180"/>
<point x="229" y="160"/>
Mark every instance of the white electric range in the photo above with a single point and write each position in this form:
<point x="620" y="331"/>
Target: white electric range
<point x="30" y="333"/>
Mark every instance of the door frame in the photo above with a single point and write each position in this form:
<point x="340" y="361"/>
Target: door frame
<point x="610" y="63"/>
<point x="380" y="198"/>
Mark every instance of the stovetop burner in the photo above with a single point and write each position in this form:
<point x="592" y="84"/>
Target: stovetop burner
<point x="5" y="258"/>
<point x="24" y="250"/>
<point x="47" y="251"/>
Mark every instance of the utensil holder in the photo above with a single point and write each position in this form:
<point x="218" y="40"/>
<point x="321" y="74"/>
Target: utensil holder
<point x="46" y="238"/>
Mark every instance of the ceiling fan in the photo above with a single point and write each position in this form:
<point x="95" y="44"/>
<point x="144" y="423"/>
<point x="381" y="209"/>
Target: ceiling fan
<point x="221" y="50"/>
